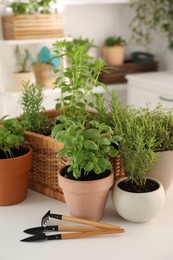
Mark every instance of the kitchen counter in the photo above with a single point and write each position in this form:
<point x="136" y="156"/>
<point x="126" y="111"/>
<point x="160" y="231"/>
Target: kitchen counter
<point x="149" y="241"/>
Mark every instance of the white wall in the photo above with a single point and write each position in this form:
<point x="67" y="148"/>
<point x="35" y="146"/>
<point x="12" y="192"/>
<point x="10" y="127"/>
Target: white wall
<point x="99" y="21"/>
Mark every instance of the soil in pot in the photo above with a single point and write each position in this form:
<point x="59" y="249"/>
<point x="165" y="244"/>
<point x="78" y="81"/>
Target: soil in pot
<point x="84" y="177"/>
<point x="149" y="186"/>
<point x="15" y="152"/>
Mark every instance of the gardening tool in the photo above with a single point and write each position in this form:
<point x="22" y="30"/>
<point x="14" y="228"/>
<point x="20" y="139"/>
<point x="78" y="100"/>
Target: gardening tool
<point x="48" y="215"/>
<point x="43" y="236"/>
<point x="41" y="229"/>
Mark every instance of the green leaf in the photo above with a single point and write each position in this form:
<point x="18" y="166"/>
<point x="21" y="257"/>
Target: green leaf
<point x="90" y="145"/>
<point x="104" y="141"/>
<point x="89" y="167"/>
<point x="91" y="133"/>
<point x="56" y="129"/>
<point x="113" y="152"/>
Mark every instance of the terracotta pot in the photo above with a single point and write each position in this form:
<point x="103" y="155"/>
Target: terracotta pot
<point x="113" y="55"/>
<point x="138" y="207"/>
<point x="162" y="169"/>
<point x="14" y="178"/>
<point x="44" y="74"/>
<point x="20" y="77"/>
<point x="86" y="199"/>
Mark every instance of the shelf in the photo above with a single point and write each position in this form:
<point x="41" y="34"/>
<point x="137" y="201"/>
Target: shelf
<point x="86" y="2"/>
<point x="33" y="41"/>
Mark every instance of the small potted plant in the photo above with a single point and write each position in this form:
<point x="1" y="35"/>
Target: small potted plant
<point x="44" y="67"/>
<point x="23" y="67"/>
<point x="87" y="179"/>
<point x="113" y="50"/>
<point x="15" y="162"/>
<point x="144" y="196"/>
<point x="28" y="19"/>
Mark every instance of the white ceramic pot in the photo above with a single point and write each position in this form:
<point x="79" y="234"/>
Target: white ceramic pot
<point x="162" y="169"/>
<point x="138" y="207"/>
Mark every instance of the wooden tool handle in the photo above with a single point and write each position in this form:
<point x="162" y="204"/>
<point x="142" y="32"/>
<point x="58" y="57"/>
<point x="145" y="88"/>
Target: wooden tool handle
<point x="90" y="233"/>
<point x="91" y="223"/>
<point x="77" y="228"/>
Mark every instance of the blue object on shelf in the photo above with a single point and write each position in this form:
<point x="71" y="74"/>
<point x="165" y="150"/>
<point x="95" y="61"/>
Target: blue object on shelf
<point x="45" y="56"/>
<point x="142" y="57"/>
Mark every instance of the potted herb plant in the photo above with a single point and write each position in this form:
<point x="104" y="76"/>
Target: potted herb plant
<point x="27" y="20"/>
<point x="23" y="67"/>
<point x="77" y="77"/>
<point x="39" y="122"/>
<point x="44" y="67"/>
<point x="136" y="198"/>
<point x="113" y="50"/>
<point x="87" y="179"/>
<point x="15" y="162"/>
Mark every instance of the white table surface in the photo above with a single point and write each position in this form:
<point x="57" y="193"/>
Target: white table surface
<point x="149" y="241"/>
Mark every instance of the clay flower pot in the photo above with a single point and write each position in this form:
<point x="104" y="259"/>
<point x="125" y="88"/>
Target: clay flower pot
<point x="113" y="55"/>
<point x="44" y="74"/>
<point x="138" y="207"/>
<point x="162" y="169"/>
<point x="86" y="199"/>
<point x="14" y="178"/>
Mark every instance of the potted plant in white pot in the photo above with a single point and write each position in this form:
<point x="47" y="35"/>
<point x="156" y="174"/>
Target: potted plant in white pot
<point x="15" y="162"/>
<point x="136" y="198"/>
<point x="87" y="179"/>
<point x="113" y="50"/>
<point x="23" y="67"/>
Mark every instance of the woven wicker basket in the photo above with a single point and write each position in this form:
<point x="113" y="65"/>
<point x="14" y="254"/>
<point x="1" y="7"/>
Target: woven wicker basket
<point x="44" y="174"/>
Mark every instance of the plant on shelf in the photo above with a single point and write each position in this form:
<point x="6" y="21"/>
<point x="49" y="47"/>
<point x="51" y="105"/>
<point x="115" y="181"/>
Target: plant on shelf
<point x="23" y="70"/>
<point x="33" y="115"/>
<point x="27" y="20"/>
<point x="78" y="75"/>
<point x="149" y="17"/>
<point x="112" y="50"/>
<point x="44" y="67"/>
<point x="15" y="162"/>
<point x="30" y="7"/>
<point x="89" y="150"/>
<point x="138" y="151"/>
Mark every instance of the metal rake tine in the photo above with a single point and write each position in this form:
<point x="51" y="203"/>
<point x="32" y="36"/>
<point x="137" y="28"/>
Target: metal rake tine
<point x="45" y="218"/>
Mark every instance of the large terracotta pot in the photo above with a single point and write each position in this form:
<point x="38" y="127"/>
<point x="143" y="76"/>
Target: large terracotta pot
<point x="162" y="169"/>
<point x="14" y="178"/>
<point x="138" y="207"/>
<point x="86" y="199"/>
<point x="113" y="55"/>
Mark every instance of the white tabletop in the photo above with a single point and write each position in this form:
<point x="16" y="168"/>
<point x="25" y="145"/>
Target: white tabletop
<point x="149" y="241"/>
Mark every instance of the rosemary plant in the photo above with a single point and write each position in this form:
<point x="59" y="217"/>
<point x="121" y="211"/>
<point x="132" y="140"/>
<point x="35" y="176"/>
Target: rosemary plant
<point x="33" y="112"/>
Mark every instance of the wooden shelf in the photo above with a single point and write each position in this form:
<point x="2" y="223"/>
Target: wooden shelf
<point x="33" y="41"/>
<point x="85" y="2"/>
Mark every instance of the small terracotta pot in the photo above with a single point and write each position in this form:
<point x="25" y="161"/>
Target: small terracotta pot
<point x="86" y="199"/>
<point x="14" y="178"/>
<point x="44" y="74"/>
<point x="113" y="55"/>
